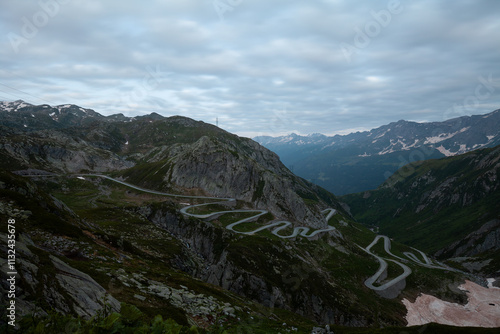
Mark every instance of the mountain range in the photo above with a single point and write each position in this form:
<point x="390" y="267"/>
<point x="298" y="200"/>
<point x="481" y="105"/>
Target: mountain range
<point x="159" y="224"/>
<point x="361" y="161"/>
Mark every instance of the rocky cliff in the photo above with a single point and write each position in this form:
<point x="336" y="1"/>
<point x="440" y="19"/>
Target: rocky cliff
<point x="222" y="259"/>
<point x="44" y="281"/>
<point x="246" y="171"/>
<point x="174" y="153"/>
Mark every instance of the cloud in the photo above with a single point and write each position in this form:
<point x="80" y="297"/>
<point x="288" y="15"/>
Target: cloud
<point x="262" y="67"/>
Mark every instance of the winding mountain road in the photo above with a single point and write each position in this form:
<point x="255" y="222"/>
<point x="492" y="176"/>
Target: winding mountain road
<point x="301" y="230"/>
<point x="389" y="289"/>
<point x="278" y="226"/>
<point x="381" y="273"/>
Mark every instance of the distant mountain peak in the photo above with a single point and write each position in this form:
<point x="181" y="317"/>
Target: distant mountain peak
<point x="316" y="135"/>
<point x="13" y="106"/>
<point x="363" y="160"/>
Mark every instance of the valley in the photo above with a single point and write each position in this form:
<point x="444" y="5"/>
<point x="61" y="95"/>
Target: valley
<point x="361" y="161"/>
<point x="171" y="217"/>
<point x="298" y="231"/>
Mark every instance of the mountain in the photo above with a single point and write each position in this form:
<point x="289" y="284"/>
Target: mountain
<point x="447" y="207"/>
<point x="130" y="221"/>
<point x="363" y="160"/>
<point x="70" y="139"/>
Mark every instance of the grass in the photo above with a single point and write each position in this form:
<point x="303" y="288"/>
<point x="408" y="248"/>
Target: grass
<point x="394" y="210"/>
<point x="298" y="267"/>
<point x="115" y="221"/>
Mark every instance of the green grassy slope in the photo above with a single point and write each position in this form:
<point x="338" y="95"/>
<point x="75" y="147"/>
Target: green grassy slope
<point x="432" y="204"/>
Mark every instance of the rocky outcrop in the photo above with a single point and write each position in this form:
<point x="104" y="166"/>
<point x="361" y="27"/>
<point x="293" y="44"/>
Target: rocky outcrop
<point x="219" y="261"/>
<point x="46" y="282"/>
<point x="245" y="171"/>
<point x="61" y="154"/>
<point x="485" y="239"/>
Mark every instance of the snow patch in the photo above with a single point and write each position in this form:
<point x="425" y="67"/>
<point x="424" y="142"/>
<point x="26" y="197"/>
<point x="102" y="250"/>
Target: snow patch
<point x="383" y="134"/>
<point x="286" y="139"/>
<point x="490" y="283"/>
<point x="481" y="310"/>
<point x="445" y="152"/>
<point x="22" y="105"/>
<point x="329" y="145"/>
<point x="392" y="147"/>
<point x="53" y="115"/>
<point x="444" y="136"/>
<point x="10" y="106"/>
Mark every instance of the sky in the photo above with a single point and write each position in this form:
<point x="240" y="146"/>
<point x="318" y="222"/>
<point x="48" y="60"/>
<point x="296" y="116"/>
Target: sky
<point x="257" y="67"/>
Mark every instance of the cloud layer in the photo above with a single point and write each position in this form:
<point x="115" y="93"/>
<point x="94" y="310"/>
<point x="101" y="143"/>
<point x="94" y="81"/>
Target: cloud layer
<point x="260" y="67"/>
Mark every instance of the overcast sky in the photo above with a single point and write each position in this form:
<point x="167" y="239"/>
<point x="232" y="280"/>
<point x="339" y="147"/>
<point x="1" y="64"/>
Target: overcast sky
<point x="260" y="67"/>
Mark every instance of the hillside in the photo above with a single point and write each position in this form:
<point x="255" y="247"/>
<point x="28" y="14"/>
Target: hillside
<point x="448" y="207"/>
<point x="181" y="219"/>
<point x="363" y="160"/>
<point x="167" y="153"/>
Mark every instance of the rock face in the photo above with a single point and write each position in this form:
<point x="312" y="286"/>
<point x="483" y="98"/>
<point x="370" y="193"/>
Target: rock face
<point x="61" y="154"/>
<point x="248" y="172"/>
<point x="485" y="239"/>
<point x="64" y="288"/>
<point x="228" y="268"/>
<point x="87" y="296"/>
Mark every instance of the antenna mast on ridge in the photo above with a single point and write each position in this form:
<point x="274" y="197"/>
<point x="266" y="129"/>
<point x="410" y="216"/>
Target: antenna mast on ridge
<point x="217" y="121"/>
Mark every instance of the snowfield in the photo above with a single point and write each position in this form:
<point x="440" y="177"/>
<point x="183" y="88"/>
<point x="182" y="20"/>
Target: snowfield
<point x="481" y="310"/>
